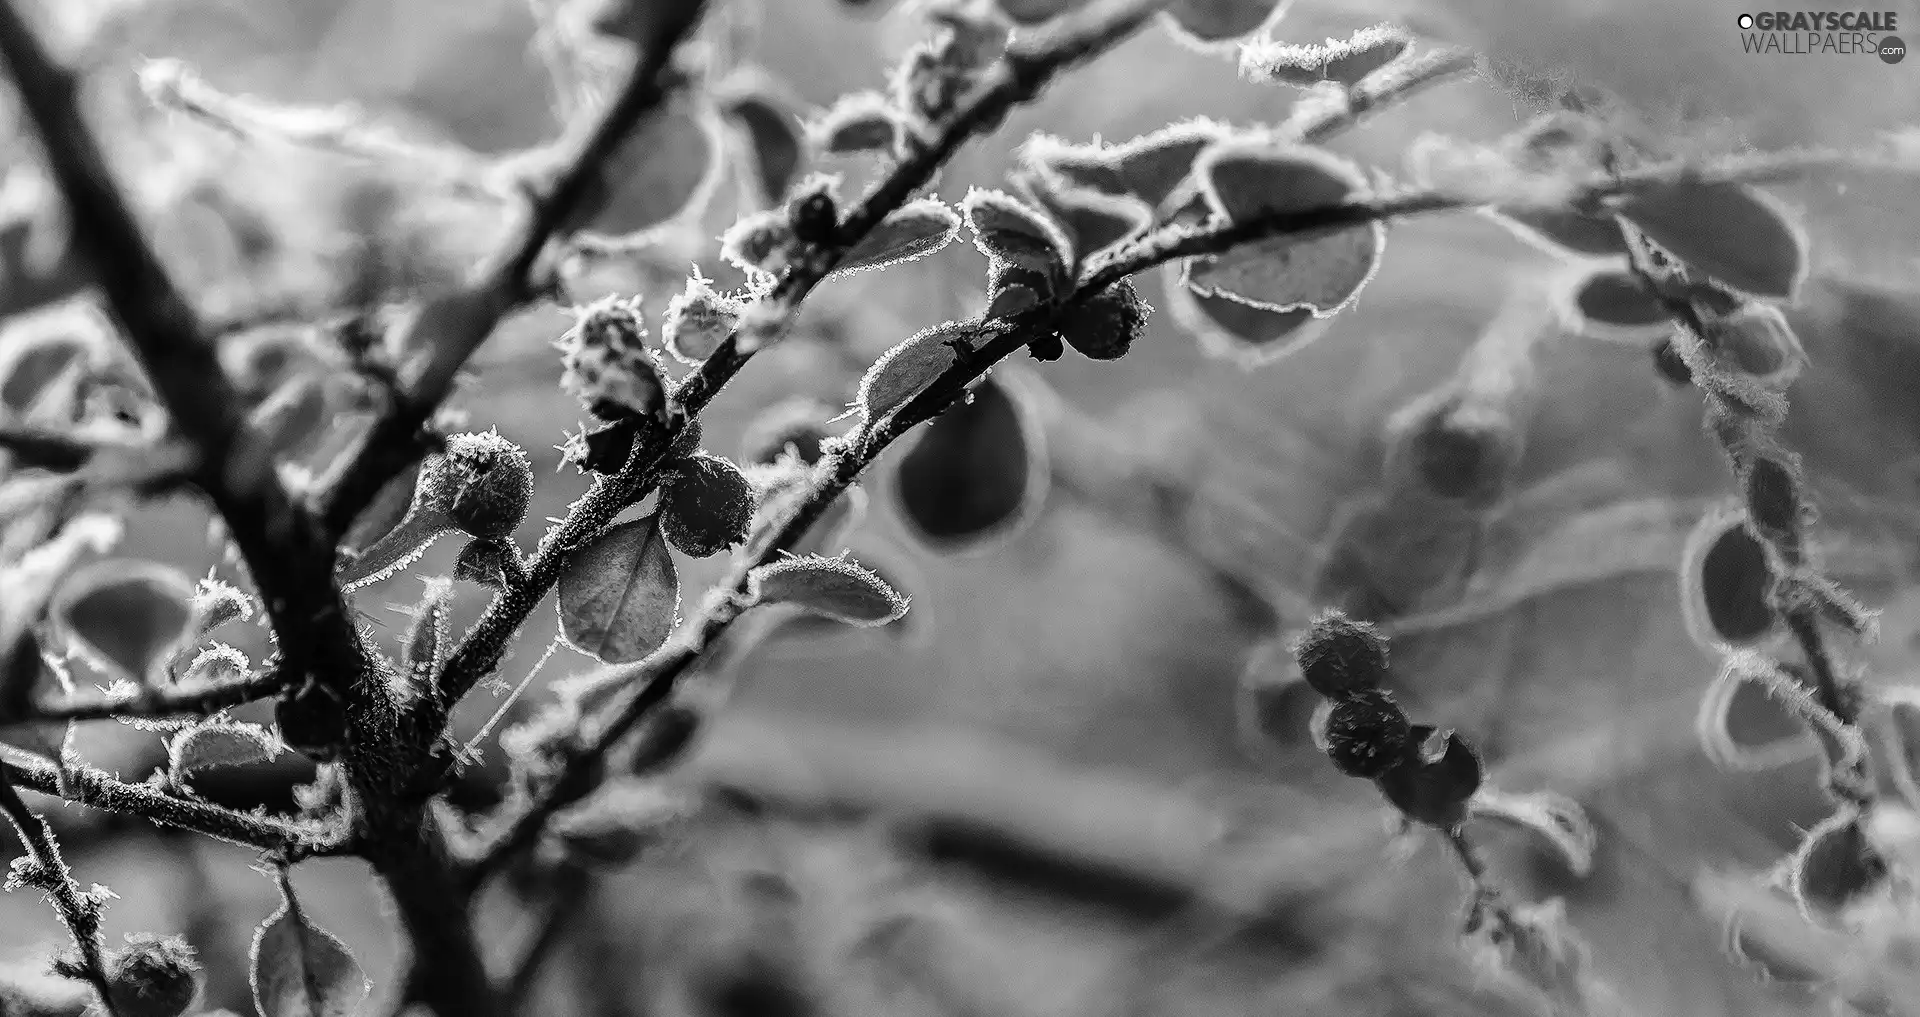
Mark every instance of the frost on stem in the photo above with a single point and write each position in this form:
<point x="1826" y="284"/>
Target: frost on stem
<point x="1108" y="323"/>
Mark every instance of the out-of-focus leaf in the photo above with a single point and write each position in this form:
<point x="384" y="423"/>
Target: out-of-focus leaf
<point x="668" y="167"/>
<point x="1215" y="21"/>
<point x="1724" y="582"/>
<point x="977" y="472"/>
<point x="127" y="615"/>
<point x="764" y="109"/>
<point x="1737" y="234"/>
<point x="857" y="123"/>
<point x="619" y="596"/>
<point x="1609" y="302"/>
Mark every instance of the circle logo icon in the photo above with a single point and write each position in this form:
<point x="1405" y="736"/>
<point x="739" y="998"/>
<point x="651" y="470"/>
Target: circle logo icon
<point x="1892" y="50"/>
<point x="1746" y="21"/>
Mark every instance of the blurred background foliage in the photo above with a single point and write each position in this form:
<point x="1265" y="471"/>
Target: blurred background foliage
<point x="1042" y="800"/>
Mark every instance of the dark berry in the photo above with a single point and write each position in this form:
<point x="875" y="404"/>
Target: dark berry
<point x="1436" y="779"/>
<point x="1367" y="734"/>
<point x="313" y="722"/>
<point x="707" y="507"/>
<point x="1105" y="327"/>
<point x="153" y="977"/>
<point x="1339" y="655"/>
<point x="815" y="218"/>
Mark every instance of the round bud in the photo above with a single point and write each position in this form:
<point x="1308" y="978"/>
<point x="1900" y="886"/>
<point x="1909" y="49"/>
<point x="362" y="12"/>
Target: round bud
<point x="1339" y="655"/>
<point x="1367" y="734"/>
<point x="798" y="425"/>
<point x="707" y="508"/>
<point x="482" y="482"/>
<point x="815" y="218"/>
<point x="153" y="977"/>
<point x="1105" y="327"/>
<point x="312" y="720"/>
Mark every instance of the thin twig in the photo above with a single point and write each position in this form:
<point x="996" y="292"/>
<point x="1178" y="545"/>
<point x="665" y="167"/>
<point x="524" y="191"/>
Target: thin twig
<point x="183" y="700"/>
<point x="50" y="874"/>
<point x="88" y="786"/>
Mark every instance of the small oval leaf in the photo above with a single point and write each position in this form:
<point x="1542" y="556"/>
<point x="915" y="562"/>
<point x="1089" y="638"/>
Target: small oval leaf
<point x="1554" y="818"/>
<point x="1833" y="866"/>
<point x="977" y="474"/>
<point x="128" y="616"/>
<point x="302" y="970"/>
<point x="1560" y="232"/>
<point x="1737" y="234"/>
<point x="1215" y="21"/>
<point x="1743" y="726"/>
<point x="1010" y="233"/>
<point x="1610" y="302"/>
<point x="834" y="587"/>
<point x="219" y="743"/>
<point x="857" y="123"/>
<point x="914" y="230"/>
<point x="1324" y="272"/>
<point x="668" y="167"/>
<point x="619" y="596"/>
<point x="1242" y="333"/>
<point x="762" y="108"/>
<point x="1148" y="168"/>
<point x="1091" y="220"/>
<point x="1725" y="580"/>
<point x="910" y="366"/>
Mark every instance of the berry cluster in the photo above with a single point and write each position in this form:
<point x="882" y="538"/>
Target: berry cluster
<point x="1426" y="773"/>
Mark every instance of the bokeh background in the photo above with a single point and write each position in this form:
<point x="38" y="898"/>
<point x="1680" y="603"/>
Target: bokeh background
<point x="1041" y="797"/>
